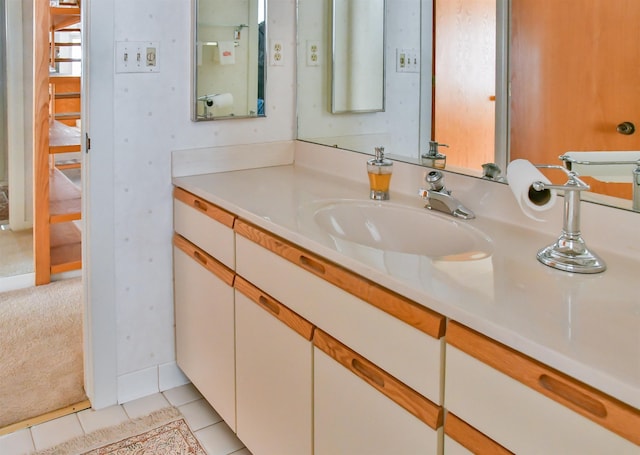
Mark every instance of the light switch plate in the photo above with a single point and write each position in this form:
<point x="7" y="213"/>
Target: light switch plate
<point x="407" y="60"/>
<point x="137" y="57"/>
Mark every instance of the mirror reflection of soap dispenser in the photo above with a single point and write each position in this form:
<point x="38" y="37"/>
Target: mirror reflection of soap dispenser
<point x="433" y="158"/>
<point x="379" y="170"/>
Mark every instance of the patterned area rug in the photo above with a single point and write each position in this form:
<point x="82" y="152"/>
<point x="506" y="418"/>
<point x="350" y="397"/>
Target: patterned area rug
<point x="162" y="432"/>
<point x="171" y="438"/>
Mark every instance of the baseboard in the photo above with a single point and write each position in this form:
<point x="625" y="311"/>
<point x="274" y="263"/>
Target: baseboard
<point x="12" y="283"/>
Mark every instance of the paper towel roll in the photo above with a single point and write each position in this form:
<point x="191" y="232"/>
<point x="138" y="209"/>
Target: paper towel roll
<point x="222" y="100"/>
<point x="521" y="175"/>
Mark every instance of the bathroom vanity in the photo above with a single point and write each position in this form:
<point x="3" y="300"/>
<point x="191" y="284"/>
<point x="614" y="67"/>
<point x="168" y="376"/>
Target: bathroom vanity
<point x="307" y="336"/>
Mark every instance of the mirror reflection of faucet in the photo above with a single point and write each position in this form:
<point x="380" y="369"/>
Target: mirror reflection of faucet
<point x="440" y="199"/>
<point x="491" y="171"/>
<point x="433" y="158"/>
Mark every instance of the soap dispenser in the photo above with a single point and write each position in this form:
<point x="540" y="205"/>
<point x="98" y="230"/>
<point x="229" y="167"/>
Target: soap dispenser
<point x="433" y="158"/>
<point x="379" y="170"/>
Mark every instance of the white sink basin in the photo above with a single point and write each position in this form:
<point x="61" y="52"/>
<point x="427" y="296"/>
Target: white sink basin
<point x="394" y="228"/>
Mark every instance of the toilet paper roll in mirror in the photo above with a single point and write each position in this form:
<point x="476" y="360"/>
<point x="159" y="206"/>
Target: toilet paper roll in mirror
<point x="521" y="175"/>
<point x="222" y="100"/>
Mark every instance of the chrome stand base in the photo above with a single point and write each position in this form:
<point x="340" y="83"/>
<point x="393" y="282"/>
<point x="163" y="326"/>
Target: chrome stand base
<point x="571" y="255"/>
<point x="377" y="195"/>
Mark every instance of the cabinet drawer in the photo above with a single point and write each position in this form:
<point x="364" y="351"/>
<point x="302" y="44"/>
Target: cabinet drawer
<point x="396" y="334"/>
<point x="205" y="225"/>
<point x="529" y="407"/>
<point x="360" y="409"/>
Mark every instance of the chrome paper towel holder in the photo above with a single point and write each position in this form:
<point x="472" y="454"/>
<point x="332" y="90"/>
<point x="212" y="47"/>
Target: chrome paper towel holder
<point x="569" y="252"/>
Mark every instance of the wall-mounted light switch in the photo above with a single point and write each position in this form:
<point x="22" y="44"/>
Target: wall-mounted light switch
<point x="407" y="60"/>
<point x="137" y="57"/>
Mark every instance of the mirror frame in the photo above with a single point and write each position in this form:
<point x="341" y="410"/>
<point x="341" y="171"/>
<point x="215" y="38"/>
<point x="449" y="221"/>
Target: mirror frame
<point x="194" y="68"/>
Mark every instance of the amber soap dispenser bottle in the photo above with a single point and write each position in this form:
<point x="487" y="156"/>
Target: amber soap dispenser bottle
<point x="379" y="170"/>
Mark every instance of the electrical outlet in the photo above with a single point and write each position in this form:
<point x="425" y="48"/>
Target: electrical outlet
<point x="137" y="57"/>
<point x="313" y="53"/>
<point x="277" y="53"/>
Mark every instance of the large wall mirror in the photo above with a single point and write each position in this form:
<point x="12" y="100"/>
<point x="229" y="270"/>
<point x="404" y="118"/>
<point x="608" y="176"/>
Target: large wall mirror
<point x="229" y="39"/>
<point x="495" y="80"/>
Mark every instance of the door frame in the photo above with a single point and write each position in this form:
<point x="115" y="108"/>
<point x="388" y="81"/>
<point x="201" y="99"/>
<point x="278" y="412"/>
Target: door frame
<point x="98" y="233"/>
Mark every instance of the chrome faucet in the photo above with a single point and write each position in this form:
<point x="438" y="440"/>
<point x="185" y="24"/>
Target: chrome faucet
<point x="440" y="199"/>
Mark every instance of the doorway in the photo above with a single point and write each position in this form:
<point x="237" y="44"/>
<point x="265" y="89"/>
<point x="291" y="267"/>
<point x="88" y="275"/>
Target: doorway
<point x="34" y="65"/>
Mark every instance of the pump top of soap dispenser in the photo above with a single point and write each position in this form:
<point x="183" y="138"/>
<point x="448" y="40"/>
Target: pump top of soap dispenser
<point x="380" y="160"/>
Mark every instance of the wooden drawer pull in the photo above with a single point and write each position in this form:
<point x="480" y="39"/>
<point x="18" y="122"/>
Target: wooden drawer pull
<point x="573" y="395"/>
<point x="269" y="305"/>
<point x="200" y="257"/>
<point x="312" y="265"/>
<point x="367" y="372"/>
<point x="200" y="205"/>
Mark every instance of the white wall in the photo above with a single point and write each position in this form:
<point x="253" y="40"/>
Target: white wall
<point x="150" y="117"/>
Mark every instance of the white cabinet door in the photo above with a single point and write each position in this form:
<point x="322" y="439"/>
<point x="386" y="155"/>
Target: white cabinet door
<point x="361" y="409"/>
<point x="353" y="417"/>
<point x="204" y="314"/>
<point x="528" y="407"/>
<point x="274" y="369"/>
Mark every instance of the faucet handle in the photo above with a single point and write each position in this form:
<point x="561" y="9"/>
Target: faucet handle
<point x="435" y="179"/>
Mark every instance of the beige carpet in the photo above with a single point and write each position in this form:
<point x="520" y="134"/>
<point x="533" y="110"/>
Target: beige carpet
<point x="17" y="252"/>
<point x="161" y="432"/>
<point x="41" y="366"/>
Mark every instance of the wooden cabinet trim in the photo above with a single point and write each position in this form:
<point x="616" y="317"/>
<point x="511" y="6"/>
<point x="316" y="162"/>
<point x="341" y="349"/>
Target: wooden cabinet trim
<point x="411" y="313"/>
<point x="296" y="322"/>
<point x="401" y="394"/>
<point x="205" y="260"/>
<point x="602" y="409"/>
<point x="205" y="207"/>
<point x="470" y="438"/>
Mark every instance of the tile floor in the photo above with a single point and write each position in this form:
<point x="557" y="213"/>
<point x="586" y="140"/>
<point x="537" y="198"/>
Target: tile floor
<point x="214" y="435"/>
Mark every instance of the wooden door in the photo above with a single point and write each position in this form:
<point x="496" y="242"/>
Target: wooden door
<point x="574" y="75"/>
<point x="464" y="68"/>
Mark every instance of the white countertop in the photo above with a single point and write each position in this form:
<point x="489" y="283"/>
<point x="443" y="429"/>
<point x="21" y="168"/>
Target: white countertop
<point x="587" y="326"/>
